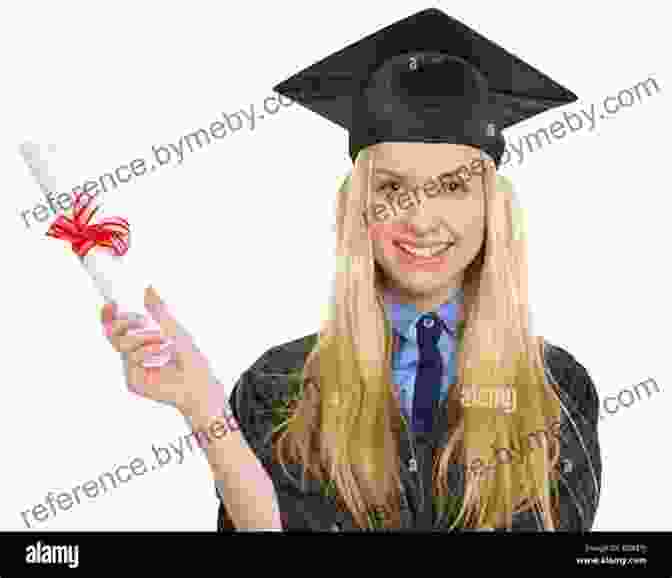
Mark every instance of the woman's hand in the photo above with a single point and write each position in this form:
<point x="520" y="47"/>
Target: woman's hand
<point x="185" y="382"/>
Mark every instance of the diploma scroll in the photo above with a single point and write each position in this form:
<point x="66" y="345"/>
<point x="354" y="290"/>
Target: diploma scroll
<point x="99" y="248"/>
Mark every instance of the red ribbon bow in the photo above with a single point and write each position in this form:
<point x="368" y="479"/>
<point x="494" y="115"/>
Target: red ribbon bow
<point x="112" y="233"/>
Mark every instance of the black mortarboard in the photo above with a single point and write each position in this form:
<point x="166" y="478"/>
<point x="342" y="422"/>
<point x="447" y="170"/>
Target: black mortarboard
<point x="427" y="78"/>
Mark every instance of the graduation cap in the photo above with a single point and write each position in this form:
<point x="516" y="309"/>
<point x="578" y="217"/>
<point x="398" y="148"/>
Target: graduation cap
<point x="426" y="78"/>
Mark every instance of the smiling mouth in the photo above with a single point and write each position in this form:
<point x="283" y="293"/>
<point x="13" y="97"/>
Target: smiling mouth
<point x="423" y="252"/>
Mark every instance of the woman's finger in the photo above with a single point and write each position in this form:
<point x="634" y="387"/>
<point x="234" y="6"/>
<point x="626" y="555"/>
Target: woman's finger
<point x="160" y="313"/>
<point x="118" y="327"/>
<point x="141" y="354"/>
<point x="129" y="343"/>
<point x="135" y="378"/>
<point x="152" y="382"/>
<point x="108" y="313"/>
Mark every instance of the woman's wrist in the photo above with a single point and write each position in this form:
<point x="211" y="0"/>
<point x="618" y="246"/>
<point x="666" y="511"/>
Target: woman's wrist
<point x="200" y="412"/>
<point x="210" y="426"/>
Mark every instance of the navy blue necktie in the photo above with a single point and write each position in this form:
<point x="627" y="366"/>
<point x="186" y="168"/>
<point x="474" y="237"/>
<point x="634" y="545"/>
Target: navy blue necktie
<point x="428" y="377"/>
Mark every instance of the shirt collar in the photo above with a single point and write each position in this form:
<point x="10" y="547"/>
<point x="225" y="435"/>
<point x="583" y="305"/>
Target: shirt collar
<point x="404" y="317"/>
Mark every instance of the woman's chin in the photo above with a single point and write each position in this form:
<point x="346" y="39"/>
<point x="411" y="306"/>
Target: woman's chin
<point x="423" y="285"/>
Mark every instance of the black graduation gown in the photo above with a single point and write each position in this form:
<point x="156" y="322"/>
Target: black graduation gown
<point x="266" y="384"/>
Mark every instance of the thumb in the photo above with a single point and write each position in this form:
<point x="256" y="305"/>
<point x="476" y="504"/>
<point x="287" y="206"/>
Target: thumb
<point x="159" y="312"/>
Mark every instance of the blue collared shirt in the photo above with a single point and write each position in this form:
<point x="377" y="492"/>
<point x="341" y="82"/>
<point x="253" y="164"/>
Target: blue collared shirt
<point x="403" y="318"/>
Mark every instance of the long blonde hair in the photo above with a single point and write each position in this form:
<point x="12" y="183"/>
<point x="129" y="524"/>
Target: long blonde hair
<point x="346" y="429"/>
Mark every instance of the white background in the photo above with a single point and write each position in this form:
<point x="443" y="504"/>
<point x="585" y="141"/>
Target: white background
<point x="238" y="239"/>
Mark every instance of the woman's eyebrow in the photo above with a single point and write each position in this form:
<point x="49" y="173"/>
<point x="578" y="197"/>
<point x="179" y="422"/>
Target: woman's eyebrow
<point x="401" y="176"/>
<point x="389" y="172"/>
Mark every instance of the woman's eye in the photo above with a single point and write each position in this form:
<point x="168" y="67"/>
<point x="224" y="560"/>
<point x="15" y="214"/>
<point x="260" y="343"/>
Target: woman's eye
<point x="455" y="185"/>
<point x="391" y="185"/>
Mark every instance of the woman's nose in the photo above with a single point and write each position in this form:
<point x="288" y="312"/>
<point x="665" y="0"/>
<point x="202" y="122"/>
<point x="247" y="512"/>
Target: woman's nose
<point x="422" y="218"/>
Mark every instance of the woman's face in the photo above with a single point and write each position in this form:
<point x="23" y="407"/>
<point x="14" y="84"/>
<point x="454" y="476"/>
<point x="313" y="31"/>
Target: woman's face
<point x="427" y="217"/>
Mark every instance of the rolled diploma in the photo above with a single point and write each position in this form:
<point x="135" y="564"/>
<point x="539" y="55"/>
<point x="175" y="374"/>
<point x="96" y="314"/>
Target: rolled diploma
<point x="100" y="263"/>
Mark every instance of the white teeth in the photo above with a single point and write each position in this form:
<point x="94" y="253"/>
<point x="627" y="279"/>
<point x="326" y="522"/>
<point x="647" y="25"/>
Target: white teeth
<point x="424" y="251"/>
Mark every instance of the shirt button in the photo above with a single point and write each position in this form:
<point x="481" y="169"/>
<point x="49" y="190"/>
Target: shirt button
<point x="428" y="322"/>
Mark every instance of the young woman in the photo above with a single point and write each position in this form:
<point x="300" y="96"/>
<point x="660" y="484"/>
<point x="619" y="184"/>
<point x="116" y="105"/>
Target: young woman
<point x="425" y="401"/>
<point x="342" y="449"/>
<point x="353" y="455"/>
